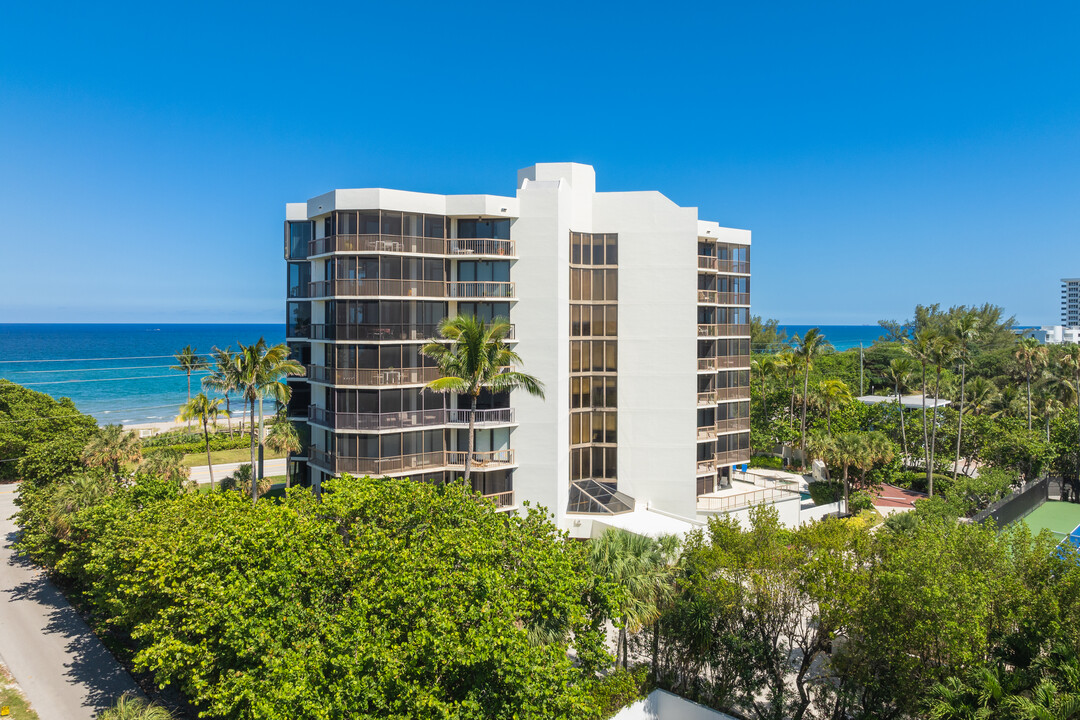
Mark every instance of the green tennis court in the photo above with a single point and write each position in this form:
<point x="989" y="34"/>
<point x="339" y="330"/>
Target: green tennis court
<point x="1060" y="518"/>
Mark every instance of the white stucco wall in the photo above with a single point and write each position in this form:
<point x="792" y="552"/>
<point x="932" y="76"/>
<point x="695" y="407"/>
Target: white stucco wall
<point x="662" y="705"/>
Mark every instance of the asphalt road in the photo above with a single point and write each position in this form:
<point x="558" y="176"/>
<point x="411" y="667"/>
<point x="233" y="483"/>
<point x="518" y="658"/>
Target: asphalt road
<point x="65" y="671"/>
<point x="201" y="473"/>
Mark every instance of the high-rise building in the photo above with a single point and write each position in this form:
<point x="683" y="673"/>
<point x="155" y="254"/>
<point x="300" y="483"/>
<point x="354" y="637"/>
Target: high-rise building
<point x="632" y="312"/>
<point x="1070" y="302"/>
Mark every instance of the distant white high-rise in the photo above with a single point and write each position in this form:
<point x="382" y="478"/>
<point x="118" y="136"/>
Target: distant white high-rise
<point x="1070" y="302"/>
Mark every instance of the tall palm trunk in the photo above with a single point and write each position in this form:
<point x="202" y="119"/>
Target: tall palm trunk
<point x="845" y="487"/>
<point x="791" y="407"/>
<point x="228" y="414"/>
<point x="254" y="483"/>
<point x="260" y="475"/>
<point x="925" y="434"/>
<point x="1029" y="399"/>
<point x="802" y="425"/>
<point x="472" y="442"/>
<point x="933" y="436"/>
<point x="206" y="439"/>
<point x="903" y="430"/>
<point x="960" y="421"/>
<point x="189" y="394"/>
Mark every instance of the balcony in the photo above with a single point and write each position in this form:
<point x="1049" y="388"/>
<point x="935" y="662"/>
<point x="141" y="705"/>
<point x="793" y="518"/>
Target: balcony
<point x="436" y="289"/>
<point x="739" y="267"/>
<point x="503" y="500"/>
<point x="706" y="433"/>
<point x="488" y="416"/>
<point x="732" y="298"/>
<point x="406" y="464"/>
<point x="707" y="364"/>
<point x="731" y="425"/>
<point x="740" y="500"/>
<point x="732" y="393"/>
<point x="706" y="467"/>
<point x="707" y="297"/>
<point x="728" y="362"/>
<point x="372" y="378"/>
<point x="706" y="398"/>
<point x="408" y="419"/>
<point x="732" y="457"/>
<point x="408" y="244"/>
<point x="374" y="332"/>
<point x="706" y="262"/>
<point x="477" y="289"/>
<point x="708" y="330"/>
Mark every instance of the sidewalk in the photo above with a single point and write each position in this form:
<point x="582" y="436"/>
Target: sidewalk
<point x="65" y="671"/>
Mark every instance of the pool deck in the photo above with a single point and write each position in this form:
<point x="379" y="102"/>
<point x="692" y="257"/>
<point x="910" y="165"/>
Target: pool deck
<point x="1060" y="518"/>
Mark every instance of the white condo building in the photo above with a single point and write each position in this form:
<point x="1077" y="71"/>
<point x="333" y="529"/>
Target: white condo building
<point x="632" y="311"/>
<point x="1070" y="302"/>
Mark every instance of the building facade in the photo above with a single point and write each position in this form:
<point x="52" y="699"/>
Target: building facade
<point x="632" y="312"/>
<point x="1070" y="302"/>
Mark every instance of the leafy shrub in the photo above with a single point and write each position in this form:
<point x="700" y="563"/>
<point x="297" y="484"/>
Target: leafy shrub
<point x="619" y="689"/>
<point x="917" y="481"/>
<point x="825" y="492"/>
<point x="767" y="461"/>
<point x="859" y="501"/>
<point x="217" y="442"/>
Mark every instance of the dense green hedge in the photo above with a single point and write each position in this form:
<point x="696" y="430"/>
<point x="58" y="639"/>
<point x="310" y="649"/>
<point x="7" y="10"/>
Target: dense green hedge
<point x="767" y="461"/>
<point x="619" y="689"/>
<point x="825" y="492"/>
<point x="917" y="481"/>
<point x="217" y="442"/>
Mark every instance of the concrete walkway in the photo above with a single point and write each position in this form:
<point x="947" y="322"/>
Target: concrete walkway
<point x="65" y="671"/>
<point x="201" y="473"/>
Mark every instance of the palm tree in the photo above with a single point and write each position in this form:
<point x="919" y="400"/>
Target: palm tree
<point x="70" y="497"/>
<point x="241" y="480"/>
<point x="167" y="464"/>
<point x="922" y="348"/>
<point x="900" y="371"/>
<point x="833" y="392"/>
<point x="223" y="379"/>
<point x="1070" y="361"/>
<point x="807" y="348"/>
<point x="188" y="361"/>
<point x="205" y="410"/>
<point x="133" y="707"/>
<point x="980" y="394"/>
<point x="283" y="439"/>
<point x="965" y="329"/>
<point x="944" y="352"/>
<point x="112" y="448"/>
<point x="763" y="366"/>
<point x="476" y="360"/>
<point x="1030" y="356"/>
<point x="847" y="451"/>
<point x="260" y="370"/>
<point x="642" y="567"/>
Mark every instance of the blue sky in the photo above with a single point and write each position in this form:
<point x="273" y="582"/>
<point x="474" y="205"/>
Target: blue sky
<point x="882" y="155"/>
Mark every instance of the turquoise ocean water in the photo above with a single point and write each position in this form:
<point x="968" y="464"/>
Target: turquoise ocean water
<point x="120" y="373"/>
<point x="117" y="373"/>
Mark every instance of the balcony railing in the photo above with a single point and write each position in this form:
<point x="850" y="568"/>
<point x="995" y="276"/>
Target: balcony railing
<point x="732" y="393"/>
<point x="375" y="243"/>
<point x="377" y="288"/>
<point x="704" y="467"/>
<point x="706" y="433"/>
<point x="706" y="398"/>
<point x="706" y="262"/>
<point x="488" y="416"/>
<point x="708" y="330"/>
<point x="727" y="362"/>
<point x="379" y="331"/>
<point x="404" y="420"/>
<point x="404" y="464"/>
<point x="372" y="378"/>
<point x="731" y="425"/>
<point x="706" y="297"/>
<point x="727" y="503"/>
<point x="733" y="266"/>
<point x="733" y="298"/>
<point x="731" y="457"/>
<point x="503" y="500"/>
<point x="709" y="363"/>
<point x="470" y="289"/>
<point x="374" y="331"/>
<point x="729" y="329"/>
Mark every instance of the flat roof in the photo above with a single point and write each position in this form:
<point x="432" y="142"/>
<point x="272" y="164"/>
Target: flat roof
<point x="649" y="523"/>
<point x="908" y="401"/>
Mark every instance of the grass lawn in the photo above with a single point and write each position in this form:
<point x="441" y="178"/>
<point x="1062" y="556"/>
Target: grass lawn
<point x="274" y="480"/>
<point x="225" y="456"/>
<point x="11" y="698"/>
<point x="1058" y="517"/>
